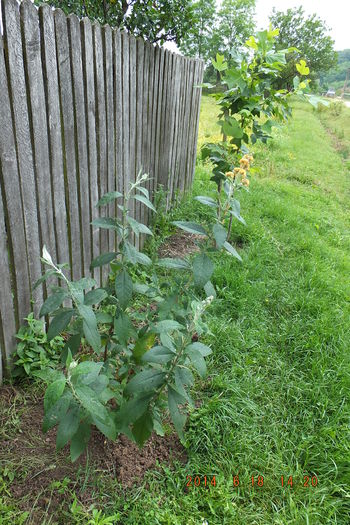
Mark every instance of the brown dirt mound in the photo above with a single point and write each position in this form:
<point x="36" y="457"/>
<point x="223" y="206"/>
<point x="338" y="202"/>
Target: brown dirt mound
<point x="179" y="245"/>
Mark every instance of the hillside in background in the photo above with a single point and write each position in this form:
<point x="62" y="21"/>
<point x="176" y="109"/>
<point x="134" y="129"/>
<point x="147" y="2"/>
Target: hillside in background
<point x="335" y="78"/>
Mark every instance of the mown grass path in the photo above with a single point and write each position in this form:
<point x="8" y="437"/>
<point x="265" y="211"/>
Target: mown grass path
<point x="276" y="402"/>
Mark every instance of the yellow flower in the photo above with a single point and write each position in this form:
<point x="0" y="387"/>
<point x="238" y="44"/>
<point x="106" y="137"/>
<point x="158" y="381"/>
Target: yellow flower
<point x="230" y="175"/>
<point x="245" y="182"/>
<point x="242" y="172"/>
<point x="237" y="170"/>
<point x="244" y="163"/>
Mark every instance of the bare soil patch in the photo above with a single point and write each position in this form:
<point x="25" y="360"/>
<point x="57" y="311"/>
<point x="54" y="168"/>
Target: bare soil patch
<point x="179" y="245"/>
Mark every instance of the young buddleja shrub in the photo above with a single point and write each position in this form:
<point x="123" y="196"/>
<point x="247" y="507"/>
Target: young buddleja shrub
<point x="138" y="363"/>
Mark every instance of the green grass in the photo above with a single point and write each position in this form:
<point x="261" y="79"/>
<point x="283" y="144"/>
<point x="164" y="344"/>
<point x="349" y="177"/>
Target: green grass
<point x="336" y="119"/>
<point x="276" y="399"/>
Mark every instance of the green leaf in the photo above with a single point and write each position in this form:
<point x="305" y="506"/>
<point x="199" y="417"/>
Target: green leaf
<point x="236" y="210"/>
<point x="138" y="227"/>
<point x="60" y="322"/>
<point x="220" y="235"/>
<point x="143" y="190"/>
<point x="203" y="268"/>
<point x="145" y="201"/>
<point x="158" y="354"/>
<point x="177" y="417"/>
<point x="219" y="64"/>
<point x="67" y="427"/>
<point x="232" y="250"/>
<point x="44" y="277"/>
<point x="53" y="393"/>
<point x="167" y="325"/>
<point x="134" y="256"/>
<point x="90" y="327"/>
<point x="80" y="440"/>
<point x="57" y="411"/>
<point x="142" y="428"/>
<point x="102" y="317"/>
<point x="197" y="361"/>
<point x="104" y="422"/>
<point x="176" y="263"/>
<point x="132" y="410"/>
<point x="103" y="259"/>
<point x="53" y="302"/>
<point x="123" y="288"/>
<point x="203" y="349"/>
<point x="190" y="227"/>
<point x="210" y="289"/>
<point x="123" y="328"/>
<point x="109" y="197"/>
<point x="143" y="345"/>
<point x="86" y="372"/>
<point x="107" y="223"/>
<point x="232" y="128"/>
<point x="95" y="296"/>
<point x="181" y="380"/>
<point x="208" y="201"/>
<point x="145" y="381"/>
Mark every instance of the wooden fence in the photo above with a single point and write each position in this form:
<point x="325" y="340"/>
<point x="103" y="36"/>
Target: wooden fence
<point x="82" y="109"/>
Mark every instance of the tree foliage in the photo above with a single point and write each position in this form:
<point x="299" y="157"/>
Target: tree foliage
<point x="197" y="42"/>
<point x="155" y="20"/>
<point x="309" y="35"/>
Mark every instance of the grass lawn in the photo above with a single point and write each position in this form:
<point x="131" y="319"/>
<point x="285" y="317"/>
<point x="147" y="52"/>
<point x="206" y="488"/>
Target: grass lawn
<point x="276" y="399"/>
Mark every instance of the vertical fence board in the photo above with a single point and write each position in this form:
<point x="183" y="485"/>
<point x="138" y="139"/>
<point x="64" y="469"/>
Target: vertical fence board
<point x="68" y="139"/>
<point x="145" y="126"/>
<point x="118" y="88"/>
<point x="13" y="40"/>
<point x="7" y="310"/>
<point x="125" y="111"/>
<point x="90" y="101"/>
<point x="11" y="191"/>
<point x="36" y="98"/>
<point x="101" y="132"/>
<point x="51" y="87"/>
<point x="196" y="114"/>
<point x="111" y="179"/>
<point x="80" y="139"/>
<point x="158" y="136"/>
<point x="139" y="164"/>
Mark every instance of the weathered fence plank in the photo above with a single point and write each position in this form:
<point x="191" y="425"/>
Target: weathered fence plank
<point x="51" y="86"/>
<point x="83" y="110"/>
<point x="17" y="82"/>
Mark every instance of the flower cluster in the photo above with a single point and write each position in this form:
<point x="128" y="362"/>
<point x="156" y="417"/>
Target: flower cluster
<point x="244" y="166"/>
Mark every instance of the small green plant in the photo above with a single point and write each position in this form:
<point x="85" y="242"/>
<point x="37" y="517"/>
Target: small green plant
<point x="141" y="360"/>
<point x="34" y="351"/>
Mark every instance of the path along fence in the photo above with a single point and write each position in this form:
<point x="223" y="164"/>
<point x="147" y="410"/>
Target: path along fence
<point x="82" y="109"/>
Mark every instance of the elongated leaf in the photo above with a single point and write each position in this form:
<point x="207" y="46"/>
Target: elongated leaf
<point x="143" y="190"/>
<point x="236" y="210"/>
<point x="109" y="197"/>
<point x="53" y="393"/>
<point x="90" y="327"/>
<point x="103" y="259"/>
<point x="145" y="201"/>
<point x="95" y="296"/>
<point x="167" y="325"/>
<point x="177" y="417"/>
<point x="44" y="277"/>
<point x="210" y="289"/>
<point x="123" y="288"/>
<point x="99" y="413"/>
<point x="180" y="264"/>
<point x="208" y="201"/>
<point x="123" y="328"/>
<point x="181" y="383"/>
<point x="60" y="322"/>
<point x="106" y="222"/>
<point x="158" y="354"/>
<point x="190" y="227"/>
<point x="143" y="345"/>
<point x="145" y="381"/>
<point x="232" y="250"/>
<point x="220" y="235"/>
<point x="203" y="268"/>
<point x="53" y="302"/>
<point x="138" y="227"/>
<point x="132" y="410"/>
<point x="197" y="361"/>
<point x="68" y="426"/>
<point x="105" y="423"/>
<point x="86" y="372"/>
<point x="232" y="128"/>
<point x="134" y="256"/>
<point x="203" y="349"/>
<point x="142" y="428"/>
<point x="57" y="411"/>
<point x="102" y="317"/>
<point x="80" y="440"/>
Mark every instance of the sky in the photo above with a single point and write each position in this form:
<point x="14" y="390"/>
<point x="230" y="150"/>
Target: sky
<point x="336" y="13"/>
